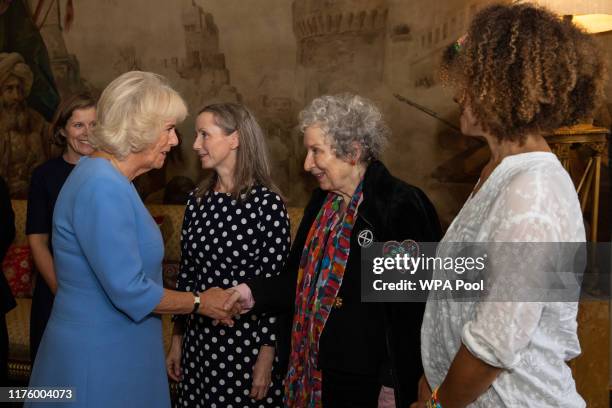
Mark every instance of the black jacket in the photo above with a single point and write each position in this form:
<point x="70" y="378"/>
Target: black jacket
<point x="7" y="234"/>
<point x="376" y="339"/>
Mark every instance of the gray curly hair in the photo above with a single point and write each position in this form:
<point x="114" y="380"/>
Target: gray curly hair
<point x="346" y="119"/>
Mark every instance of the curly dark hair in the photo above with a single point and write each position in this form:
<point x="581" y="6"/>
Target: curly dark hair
<point x="524" y="70"/>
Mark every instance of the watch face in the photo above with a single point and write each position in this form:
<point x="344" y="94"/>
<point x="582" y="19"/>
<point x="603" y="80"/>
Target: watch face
<point x="196" y="302"/>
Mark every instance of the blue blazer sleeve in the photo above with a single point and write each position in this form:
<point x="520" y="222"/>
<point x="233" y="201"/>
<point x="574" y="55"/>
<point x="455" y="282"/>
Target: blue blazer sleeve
<point x="105" y="226"/>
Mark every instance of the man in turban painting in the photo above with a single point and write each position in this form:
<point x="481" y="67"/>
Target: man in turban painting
<point x="22" y="130"/>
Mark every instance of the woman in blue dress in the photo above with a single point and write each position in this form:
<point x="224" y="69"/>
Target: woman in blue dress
<point x="104" y="336"/>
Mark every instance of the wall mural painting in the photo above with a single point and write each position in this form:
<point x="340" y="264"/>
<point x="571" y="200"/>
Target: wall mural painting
<point x="28" y="97"/>
<point x="274" y="58"/>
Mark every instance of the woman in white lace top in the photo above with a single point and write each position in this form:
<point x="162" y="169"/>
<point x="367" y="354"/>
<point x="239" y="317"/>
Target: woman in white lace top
<point x="520" y="72"/>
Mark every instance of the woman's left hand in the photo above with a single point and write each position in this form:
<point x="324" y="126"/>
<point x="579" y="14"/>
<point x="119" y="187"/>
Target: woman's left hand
<point x="424" y="389"/>
<point x="262" y="373"/>
<point x="424" y="392"/>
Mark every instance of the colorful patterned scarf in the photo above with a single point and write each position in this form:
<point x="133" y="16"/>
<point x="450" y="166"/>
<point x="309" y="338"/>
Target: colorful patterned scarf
<point x="319" y="278"/>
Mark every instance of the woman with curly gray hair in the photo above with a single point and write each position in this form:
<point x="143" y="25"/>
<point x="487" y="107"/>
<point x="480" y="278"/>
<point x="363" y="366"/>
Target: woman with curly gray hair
<point x="345" y="353"/>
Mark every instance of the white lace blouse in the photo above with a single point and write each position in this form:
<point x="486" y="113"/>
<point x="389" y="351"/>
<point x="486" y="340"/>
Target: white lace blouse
<point x="529" y="197"/>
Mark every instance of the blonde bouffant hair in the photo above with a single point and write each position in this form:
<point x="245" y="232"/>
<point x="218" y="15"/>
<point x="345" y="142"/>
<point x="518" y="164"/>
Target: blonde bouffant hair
<point x="132" y="111"/>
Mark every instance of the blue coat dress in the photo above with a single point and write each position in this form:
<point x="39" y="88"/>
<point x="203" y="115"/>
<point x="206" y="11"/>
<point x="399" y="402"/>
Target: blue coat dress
<point x="102" y="338"/>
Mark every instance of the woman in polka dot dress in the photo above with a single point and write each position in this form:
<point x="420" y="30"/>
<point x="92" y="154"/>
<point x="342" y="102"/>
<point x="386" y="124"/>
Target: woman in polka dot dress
<point x="235" y="228"/>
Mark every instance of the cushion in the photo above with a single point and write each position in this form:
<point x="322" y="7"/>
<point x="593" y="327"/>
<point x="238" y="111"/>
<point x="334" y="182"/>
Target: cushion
<point x="171" y="228"/>
<point x="17" y="267"/>
<point x="295" y="217"/>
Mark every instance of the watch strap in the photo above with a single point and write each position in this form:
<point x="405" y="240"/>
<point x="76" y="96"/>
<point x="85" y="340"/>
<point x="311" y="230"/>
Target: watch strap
<point x="196" y="302"/>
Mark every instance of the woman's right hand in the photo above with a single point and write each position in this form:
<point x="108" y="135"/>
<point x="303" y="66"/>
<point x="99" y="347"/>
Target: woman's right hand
<point x="173" y="360"/>
<point x="219" y="304"/>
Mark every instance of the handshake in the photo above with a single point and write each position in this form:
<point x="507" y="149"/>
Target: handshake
<point x="223" y="305"/>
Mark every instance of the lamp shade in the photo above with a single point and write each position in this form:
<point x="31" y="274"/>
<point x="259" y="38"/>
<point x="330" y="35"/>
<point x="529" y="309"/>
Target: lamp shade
<point x="594" y="23"/>
<point x="595" y="16"/>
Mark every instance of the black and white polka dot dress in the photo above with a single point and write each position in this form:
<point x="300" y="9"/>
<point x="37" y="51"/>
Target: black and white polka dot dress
<point x="225" y="242"/>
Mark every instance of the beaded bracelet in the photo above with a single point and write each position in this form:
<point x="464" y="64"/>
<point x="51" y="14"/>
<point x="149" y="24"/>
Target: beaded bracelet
<point x="433" y="401"/>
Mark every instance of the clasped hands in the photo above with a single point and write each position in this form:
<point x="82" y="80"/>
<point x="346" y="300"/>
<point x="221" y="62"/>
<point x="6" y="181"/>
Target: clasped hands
<point x="222" y="305"/>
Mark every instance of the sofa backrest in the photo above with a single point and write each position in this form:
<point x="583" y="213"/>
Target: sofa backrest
<point x="172" y="222"/>
<point x="171" y="217"/>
